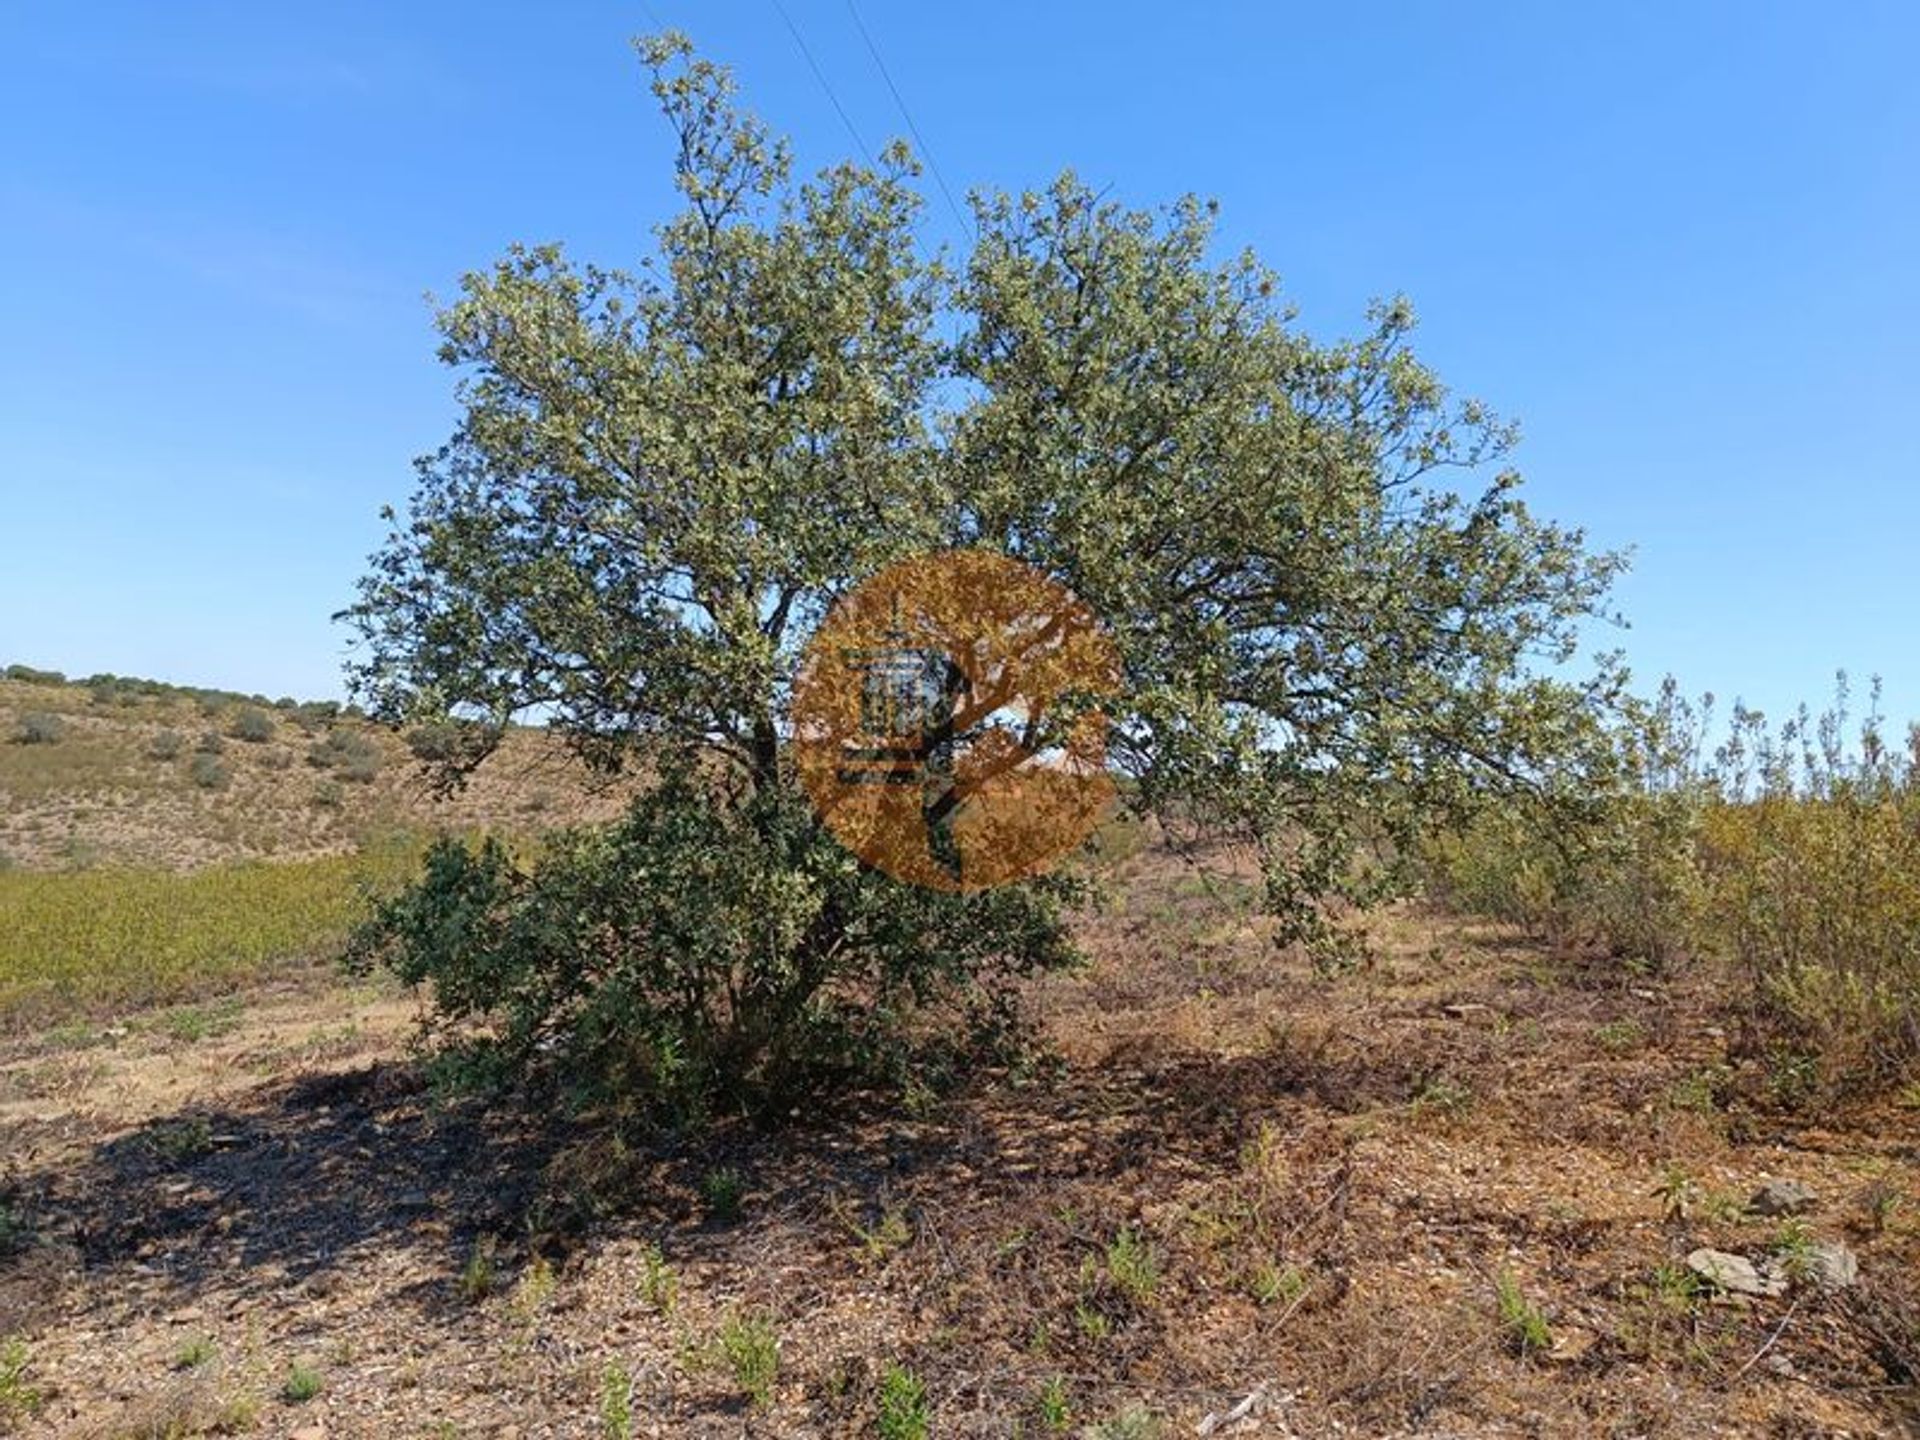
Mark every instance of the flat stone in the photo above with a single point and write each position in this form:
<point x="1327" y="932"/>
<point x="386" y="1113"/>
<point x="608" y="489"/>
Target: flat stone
<point x="1735" y="1274"/>
<point x="1832" y="1266"/>
<point x="1781" y="1197"/>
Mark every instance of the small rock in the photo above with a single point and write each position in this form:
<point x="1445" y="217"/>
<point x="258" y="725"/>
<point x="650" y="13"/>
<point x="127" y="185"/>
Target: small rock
<point x="1733" y="1273"/>
<point x="1781" y="1197"/>
<point x="1832" y="1266"/>
<point x="309" y="1432"/>
<point x="1571" y="1346"/>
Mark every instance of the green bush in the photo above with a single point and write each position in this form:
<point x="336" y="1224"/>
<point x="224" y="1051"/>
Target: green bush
<point x="210" y="743"/>
<point x="343" y="748"/>
<point x="1792" y="855"/>
<point x="209" y="773"/>
<point x="167" y="745"/>
<point x="706" y="951"/>
<point x="39" y="728"/>
<point x="252" y="725"/>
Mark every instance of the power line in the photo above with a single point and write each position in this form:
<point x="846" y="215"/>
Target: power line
<point x="820" y="75"/>
<point x="907" y="115"/>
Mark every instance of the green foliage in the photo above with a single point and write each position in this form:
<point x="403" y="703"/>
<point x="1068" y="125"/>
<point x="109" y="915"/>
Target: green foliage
<point x="1133" y="1267"/>
<point x="253" y="725"/>
<point x="479" y="1276"/>
<point x="662" y="480"/>
<point x="701" y="951"/>
<point x="210" y="743"/>
<point x="1791" y="853"/>
<point x="658" y="1285"/>
<point x="616" y="1403"/>
<point x="750" y="1345"/>
<point x="18" y="1399"/>
<point x="209" y="773"/>
<point x="37" y="727"/>
<point x="1054" y="1406"/>
<point x="194" y="1352"/>
<point x="302" y="1384"/>
<point x="723" y="1188"/>
<point x="167" y="745"/>
<point x="132" y="936"/>
<point x="347" y="752"/>
<point x="903" y="1405"/>
<point x="1524" y="1324"/>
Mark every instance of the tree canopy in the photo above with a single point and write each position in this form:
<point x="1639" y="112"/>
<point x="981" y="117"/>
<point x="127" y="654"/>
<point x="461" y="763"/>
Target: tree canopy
<point x="1334" y="616"/>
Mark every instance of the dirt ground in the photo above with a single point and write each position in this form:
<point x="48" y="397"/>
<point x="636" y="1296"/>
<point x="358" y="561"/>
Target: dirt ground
<point x="1238" y="1189"/>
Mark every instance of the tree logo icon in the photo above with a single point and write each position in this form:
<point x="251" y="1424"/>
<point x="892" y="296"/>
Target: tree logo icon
<point x="947" y="721"/>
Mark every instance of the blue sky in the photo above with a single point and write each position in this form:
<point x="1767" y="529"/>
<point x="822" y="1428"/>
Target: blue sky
<point x="1680" y="243"/>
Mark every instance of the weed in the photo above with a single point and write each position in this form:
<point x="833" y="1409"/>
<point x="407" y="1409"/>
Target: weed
<point x="1056" y="1412"/>
<point x="1132" y="1267"/>
<point x="534" y="1290"/>
<point x="17" y="1398"/>
<point x="751" y="1347"/>
<point x="616" y="1403"/>
<point x="903" y="1405"/>
<point x="202" y="1022"/>
<point x="1272" y="1283"/>
<point x="181" y="1140"/>
<point x="723" y="1189"/>
<point x="658" y="1285"/>
<point x="1525" y="1325"/>
<point x="1620" y="1036"/>
<point x="1676" y="1192"/>
<point x="1136" y="1422"/>
<point x="194" y="1353"/>
<point x="890" y="1233"/>
<point x="1793" y="1246"/>
<point x="478" y="1278"/>
<point x="301" y="1385"/>
<point x="1090" y="1322"/>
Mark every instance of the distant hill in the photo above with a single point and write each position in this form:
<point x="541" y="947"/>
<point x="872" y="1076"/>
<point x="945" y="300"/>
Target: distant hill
<point x="111" y="770"/>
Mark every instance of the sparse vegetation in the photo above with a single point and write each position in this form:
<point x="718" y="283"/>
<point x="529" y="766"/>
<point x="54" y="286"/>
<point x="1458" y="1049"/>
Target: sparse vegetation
<point x="39" y="728"/>
<point x="18" y="1399"/>
<point x="302" y="1384"/>
<point x="253" y="725"/>
<point x="750" y="1346"/>
<point x="903" y="1405"/>
<point x="616" y="1403"/>
<point x="1522" y="1321"/>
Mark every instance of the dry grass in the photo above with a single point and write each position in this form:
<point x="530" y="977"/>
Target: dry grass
<point x="118" y="787"/>
<point x="1234" y="1179"/>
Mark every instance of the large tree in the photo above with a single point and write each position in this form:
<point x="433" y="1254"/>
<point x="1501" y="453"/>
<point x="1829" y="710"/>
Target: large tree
<point x="1335" y="619"/>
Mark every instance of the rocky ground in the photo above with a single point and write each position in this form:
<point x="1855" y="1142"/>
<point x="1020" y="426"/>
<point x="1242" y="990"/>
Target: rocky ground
<point x="1467" y="1189"/>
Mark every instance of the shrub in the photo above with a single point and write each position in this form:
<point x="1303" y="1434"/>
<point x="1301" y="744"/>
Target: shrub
<point x="209" y="773"/>
<point x="28" y="675"/>
<point x="704" y="952"/>
<point x="39" y="728"/>
<point x="346" y="750"/>
<point x="252" y="725"/>
<point x="442" y="742"/>
<point x="210" y="743"/>
<point x="167" y="745"/>
<point x="362" y="771"/>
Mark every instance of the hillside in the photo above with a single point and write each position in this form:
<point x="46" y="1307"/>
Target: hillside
<point x="137" y="773"/>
